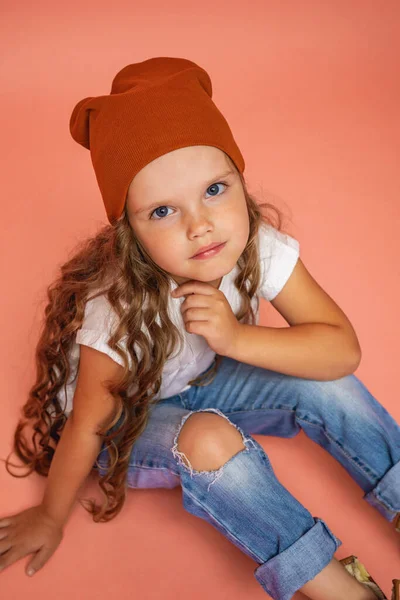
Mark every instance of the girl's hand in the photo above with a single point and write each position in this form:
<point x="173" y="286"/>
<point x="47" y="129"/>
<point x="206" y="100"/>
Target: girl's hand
<point x="207" y="312"/>
<point x="31" y="530"/>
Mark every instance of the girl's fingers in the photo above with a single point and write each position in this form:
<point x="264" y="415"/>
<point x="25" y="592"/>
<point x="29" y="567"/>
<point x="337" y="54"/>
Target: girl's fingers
<point x="5" y="522"/>
<point x="5" y="545"/>
<point x="11" y="557"/>
<point x="40" y="559"/>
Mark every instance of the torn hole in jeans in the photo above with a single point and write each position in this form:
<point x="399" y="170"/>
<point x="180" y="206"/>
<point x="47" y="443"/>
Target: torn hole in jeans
<point x="212" y="474"/>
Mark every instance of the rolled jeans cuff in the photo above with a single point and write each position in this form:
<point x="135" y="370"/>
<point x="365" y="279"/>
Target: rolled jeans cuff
<point x="385" y="497"/>
<point x="285" y="573"/>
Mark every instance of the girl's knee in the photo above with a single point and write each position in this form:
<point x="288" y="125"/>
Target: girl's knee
<point x="207" y="441"/>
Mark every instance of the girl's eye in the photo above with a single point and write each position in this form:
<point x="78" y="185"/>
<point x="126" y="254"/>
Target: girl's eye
<point x="214" y="185"/>
<point x="161" y="208"/>
<point x="164" y="208"/>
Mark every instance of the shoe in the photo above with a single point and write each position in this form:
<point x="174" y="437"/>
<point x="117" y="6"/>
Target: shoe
<point x="358" y="570"/>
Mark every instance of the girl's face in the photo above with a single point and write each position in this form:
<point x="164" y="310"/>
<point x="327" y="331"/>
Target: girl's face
<point x="184" y="200"/>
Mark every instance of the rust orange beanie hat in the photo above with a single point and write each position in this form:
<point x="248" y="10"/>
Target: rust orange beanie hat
<point x="154" y="107"/>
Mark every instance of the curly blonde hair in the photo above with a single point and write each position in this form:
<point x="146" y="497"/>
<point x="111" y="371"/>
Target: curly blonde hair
<point x="115" y="262"/>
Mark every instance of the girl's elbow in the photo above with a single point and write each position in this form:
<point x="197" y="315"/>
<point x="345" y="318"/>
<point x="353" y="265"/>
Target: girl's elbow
<point x="353" y="351"/>
<point x="355" y="359"/>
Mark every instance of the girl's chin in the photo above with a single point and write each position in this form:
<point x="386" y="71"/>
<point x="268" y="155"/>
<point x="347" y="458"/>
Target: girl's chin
<point x="182" y="280"/>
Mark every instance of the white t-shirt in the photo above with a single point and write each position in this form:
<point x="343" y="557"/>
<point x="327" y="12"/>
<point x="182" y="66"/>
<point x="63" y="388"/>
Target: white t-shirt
<point x="278" y="255"/>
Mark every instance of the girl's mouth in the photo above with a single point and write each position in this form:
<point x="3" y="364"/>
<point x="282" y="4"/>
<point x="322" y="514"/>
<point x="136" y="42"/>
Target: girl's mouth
<point x="209" y="253"/>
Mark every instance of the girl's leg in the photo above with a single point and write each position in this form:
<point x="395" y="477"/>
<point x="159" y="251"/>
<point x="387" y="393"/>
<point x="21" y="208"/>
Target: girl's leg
<point x="293" y="549"/>
<point x="152" y="465"/>
<point x="341" y="416"/>
<point x="244" y="500"/>
<point x="334" y="583"/>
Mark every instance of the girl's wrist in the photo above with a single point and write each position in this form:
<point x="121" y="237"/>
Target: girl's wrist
<point x="57" y="518"/>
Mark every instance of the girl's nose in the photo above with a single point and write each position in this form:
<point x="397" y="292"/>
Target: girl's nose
<point x="199" y="225"/>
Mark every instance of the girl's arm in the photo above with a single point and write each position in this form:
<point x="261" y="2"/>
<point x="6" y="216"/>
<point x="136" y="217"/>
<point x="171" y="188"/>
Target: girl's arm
<point x="74" y="457"/>
<point x="39" y="529"/>
<point x="320" y="343"/>
<point x="79" y="445"/>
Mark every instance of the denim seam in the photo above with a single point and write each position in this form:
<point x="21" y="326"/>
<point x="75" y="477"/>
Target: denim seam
<point x="239" y="412"/>
<point x="154" y="468"/>
<point x="379" y="497"/>
<point x="183" y="400"/>
<point x="388" y="507"/>
<point x="208" y="511"/>
<point x="342" y="450"/>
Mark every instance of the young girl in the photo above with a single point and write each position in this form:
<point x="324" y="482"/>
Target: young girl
<point x="152" y="367"/>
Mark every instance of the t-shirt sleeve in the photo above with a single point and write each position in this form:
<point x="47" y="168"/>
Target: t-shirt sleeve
<point x="99" y="323"/>
<point x="279" y="253"/>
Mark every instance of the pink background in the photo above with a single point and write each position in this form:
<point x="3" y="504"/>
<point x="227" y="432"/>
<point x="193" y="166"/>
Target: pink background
<point x="311" y="92"/>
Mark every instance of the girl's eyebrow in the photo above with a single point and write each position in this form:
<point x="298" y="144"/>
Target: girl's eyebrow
<point x="205" y="184"/>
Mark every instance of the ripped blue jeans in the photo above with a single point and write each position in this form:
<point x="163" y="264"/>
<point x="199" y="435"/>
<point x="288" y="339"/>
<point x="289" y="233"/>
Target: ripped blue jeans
<point x="243" y="499"/>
